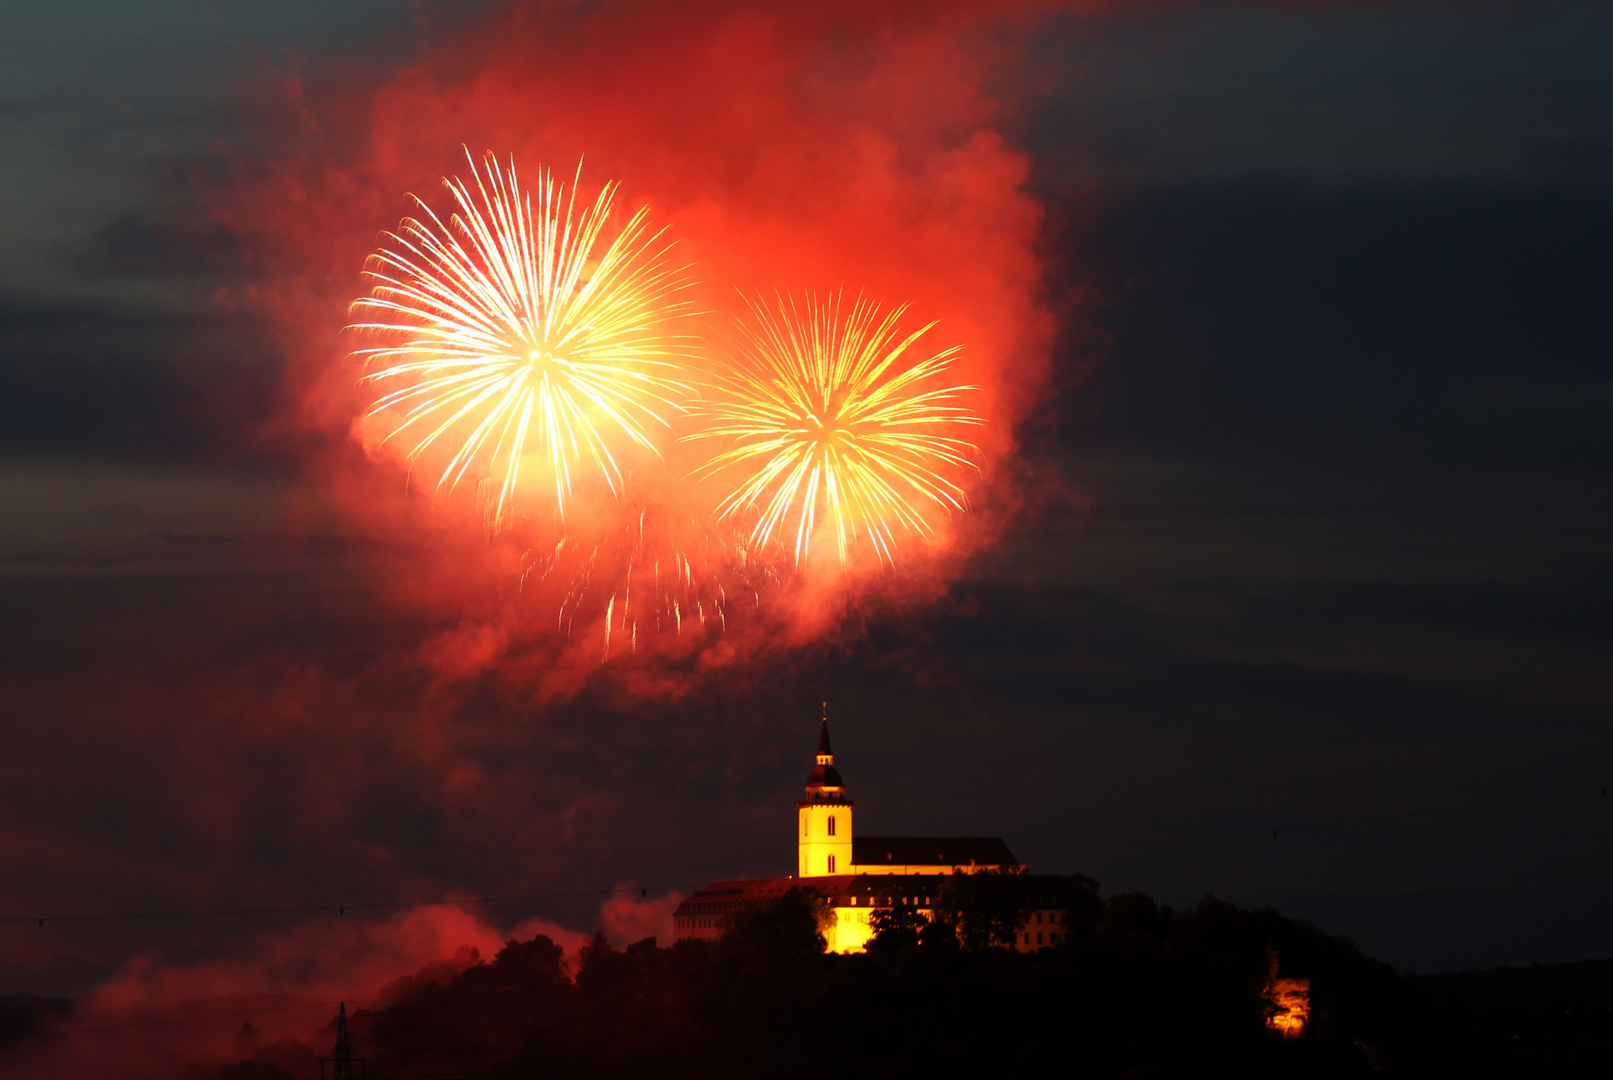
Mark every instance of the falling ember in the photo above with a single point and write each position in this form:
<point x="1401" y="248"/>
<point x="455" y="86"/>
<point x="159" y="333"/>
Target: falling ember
<point x="649" y="571"/>
<point x="521" y="338"/>
<point x="829" y="421"/>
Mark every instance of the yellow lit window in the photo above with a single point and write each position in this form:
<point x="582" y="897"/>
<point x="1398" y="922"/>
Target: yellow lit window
<point x="831" y="825"/>
<point x="831" y="858"/>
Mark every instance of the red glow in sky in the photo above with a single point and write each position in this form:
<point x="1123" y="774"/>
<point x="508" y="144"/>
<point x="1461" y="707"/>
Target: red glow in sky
<point x="842" y="150"/>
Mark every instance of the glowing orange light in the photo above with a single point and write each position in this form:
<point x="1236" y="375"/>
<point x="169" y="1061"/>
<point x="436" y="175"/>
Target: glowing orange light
<point x="518" y="330"/>
<point x="830" y="422"/>
<point x="1288" y="1001"/>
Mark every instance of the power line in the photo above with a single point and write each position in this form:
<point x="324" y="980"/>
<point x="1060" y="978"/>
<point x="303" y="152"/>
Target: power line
<point x="339" y="909"/>
<point x="1316" y="825"/>
<point x="189" y="1019"/>
<point x="644" y="891"/>
<point x="466" y="1074"/>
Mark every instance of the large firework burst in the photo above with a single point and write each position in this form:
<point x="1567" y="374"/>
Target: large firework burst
<point x="832" y="420"/>
<point x="521" y="337"/>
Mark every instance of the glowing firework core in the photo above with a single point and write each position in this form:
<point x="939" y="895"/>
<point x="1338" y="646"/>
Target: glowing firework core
<point x="511" y="332"/>
<point x="523" y="346"/>
<point x="832" y="424"/>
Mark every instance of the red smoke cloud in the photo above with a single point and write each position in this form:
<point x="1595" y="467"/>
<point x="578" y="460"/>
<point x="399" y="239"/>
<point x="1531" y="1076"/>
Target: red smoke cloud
<point x="158" y="1018"/>
<point x="819" y="148"/>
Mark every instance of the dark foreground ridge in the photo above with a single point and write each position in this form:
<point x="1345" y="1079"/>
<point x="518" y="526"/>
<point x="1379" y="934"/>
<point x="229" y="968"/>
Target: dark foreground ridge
<point x="1135" y="990"/>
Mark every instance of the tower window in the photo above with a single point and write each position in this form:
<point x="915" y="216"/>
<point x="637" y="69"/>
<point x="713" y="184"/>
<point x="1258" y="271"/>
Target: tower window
<point x="831" y="825"/>
<point x="831" y="858"/>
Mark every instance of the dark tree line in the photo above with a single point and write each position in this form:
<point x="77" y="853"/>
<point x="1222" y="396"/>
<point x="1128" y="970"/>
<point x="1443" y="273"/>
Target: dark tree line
<point x="1134" y="990"/>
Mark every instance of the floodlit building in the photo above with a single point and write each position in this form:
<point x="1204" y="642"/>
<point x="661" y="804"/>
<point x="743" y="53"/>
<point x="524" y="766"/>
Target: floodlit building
<point x="859" y="875"/>
<point x="1288" y="1001"/>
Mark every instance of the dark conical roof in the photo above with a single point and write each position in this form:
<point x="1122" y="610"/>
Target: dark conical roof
<point x="825" y="776"/>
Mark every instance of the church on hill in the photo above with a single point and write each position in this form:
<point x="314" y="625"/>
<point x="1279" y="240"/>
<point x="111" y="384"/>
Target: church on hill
<point x="858" y="875"/>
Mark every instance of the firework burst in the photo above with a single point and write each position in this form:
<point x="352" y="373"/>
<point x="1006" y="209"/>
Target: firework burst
<point x="523" y="338"/>
<point x="833" y="421"/>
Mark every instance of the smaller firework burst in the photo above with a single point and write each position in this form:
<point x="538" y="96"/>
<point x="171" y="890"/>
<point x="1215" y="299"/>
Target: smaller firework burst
<point x="834" y="423"/>
<point x="522" y="336"/>
<point x="651" y="572"/>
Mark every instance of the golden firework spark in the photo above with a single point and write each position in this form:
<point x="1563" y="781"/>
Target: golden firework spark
<point x="830" y="421"/>
<point x="519" y="329"/>
<point x="656" y="572"/>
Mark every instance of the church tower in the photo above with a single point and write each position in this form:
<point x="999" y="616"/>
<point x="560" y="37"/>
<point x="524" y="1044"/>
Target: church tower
<point x="823" y="839"/>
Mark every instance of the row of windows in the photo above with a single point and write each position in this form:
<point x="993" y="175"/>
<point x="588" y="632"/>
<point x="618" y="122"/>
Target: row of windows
<point x="710" y="922"/>
<point x="805" y="822"/>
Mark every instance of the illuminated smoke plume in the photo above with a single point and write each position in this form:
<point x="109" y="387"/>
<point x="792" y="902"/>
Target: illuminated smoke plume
<point x="814" y="150"/>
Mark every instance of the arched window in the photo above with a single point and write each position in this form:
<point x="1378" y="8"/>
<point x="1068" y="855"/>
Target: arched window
<point x="831" y="825"/>
<point x="831" y="859"/>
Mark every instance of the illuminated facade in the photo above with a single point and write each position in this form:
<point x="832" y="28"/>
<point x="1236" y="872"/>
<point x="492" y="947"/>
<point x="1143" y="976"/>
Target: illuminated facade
<point x="823" y="846"/>
<point x="1288" y="1001"/>
<point x="861" y="875"/>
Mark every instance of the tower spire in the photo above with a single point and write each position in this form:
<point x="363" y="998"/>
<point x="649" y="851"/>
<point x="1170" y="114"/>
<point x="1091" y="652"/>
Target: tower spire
<point x="823" y="844"/>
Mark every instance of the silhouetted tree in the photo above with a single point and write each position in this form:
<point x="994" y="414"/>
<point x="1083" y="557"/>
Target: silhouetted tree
<point x="895" y="928"/>
<point x="1137" y="989"/>
<point x="789" y="930"/>
<point x="985" y="907"/>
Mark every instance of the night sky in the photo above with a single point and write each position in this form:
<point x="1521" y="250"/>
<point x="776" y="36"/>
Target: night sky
<point x="1313" y="520"/>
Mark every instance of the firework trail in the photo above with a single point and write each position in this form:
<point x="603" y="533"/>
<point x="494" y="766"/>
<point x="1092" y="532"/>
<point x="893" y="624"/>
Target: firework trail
<point x="519" y="330"/>
<point x="830" y="419"/>
<point x="656" y="572"/>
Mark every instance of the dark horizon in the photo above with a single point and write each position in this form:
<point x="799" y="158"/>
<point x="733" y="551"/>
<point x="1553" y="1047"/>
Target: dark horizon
<point x="1314" y="517"/>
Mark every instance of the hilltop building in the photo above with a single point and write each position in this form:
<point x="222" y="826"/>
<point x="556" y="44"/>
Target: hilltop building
<point x="1288" y="1001"/>
<point x="858" y="875"/>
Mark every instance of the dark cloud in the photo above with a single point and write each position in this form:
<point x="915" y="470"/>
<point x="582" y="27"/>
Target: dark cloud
<point x="1336" y="93"/>
<point x="1450" y="326"/>
<point x="108" y="382"/>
